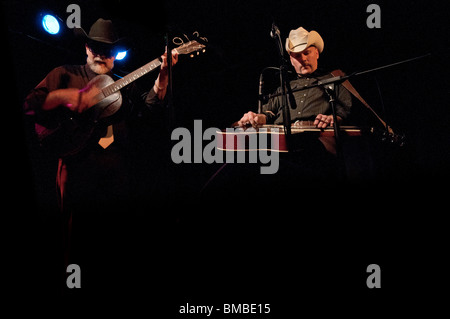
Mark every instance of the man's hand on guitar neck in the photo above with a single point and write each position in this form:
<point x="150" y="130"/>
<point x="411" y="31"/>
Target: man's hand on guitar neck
<point x="162" y="81"/>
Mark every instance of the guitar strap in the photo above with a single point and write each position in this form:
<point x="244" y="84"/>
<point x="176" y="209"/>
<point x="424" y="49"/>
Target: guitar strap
<point x="352" y="90"/>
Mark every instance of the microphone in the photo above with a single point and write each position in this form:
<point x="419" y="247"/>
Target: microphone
<point x="274" y="32"/>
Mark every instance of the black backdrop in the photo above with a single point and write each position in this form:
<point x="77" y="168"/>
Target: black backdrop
<point x="393" y="220"/>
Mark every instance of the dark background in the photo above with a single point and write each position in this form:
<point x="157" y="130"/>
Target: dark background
<point x="392" y="220"/>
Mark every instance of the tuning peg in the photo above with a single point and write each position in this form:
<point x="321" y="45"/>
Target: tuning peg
<point x="402" y="140"/>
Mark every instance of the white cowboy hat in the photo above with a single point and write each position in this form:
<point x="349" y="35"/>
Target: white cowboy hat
<point x="300" y="39"/>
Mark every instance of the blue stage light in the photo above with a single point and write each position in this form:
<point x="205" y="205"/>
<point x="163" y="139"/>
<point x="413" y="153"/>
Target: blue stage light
<point x="121" y="55"/>
<point x="50" y="24"/>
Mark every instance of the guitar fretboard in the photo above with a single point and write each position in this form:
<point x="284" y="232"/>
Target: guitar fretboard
<point x="186" y="48"/>
<point x="133" y="76"/>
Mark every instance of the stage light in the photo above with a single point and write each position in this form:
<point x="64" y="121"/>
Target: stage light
<point x="50" y="24"/>
<point x="121" y="55"/>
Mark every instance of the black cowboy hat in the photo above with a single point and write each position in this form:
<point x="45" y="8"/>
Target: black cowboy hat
<point x="101" y="31"/>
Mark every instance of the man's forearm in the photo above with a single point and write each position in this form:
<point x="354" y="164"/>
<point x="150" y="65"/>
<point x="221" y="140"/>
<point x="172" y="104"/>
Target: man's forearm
<point x="67" y="97"/>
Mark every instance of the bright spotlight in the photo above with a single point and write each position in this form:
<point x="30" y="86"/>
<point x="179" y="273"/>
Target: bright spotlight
<point x="121" y="55"/>
<point x="50" y="24"/>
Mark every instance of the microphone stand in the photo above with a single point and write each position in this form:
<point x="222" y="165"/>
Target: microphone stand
<point x="328" y="85"/>
<point x="261" y="84"/>
<point x="340" y="79"/>
<point x="275" y="34"/>
<point x="330" y="91"/>
<point x="171" y="111"/>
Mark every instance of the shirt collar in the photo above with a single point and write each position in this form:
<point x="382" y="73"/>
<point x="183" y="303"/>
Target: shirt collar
<point x="317" y="73"/>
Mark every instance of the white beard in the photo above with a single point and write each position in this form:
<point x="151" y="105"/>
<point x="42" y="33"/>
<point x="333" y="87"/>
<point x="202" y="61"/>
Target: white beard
<point x="99" y="68"/>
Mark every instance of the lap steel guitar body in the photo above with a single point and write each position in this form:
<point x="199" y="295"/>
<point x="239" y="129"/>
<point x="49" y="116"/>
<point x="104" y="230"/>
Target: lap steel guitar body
<point x="273" y="137"/>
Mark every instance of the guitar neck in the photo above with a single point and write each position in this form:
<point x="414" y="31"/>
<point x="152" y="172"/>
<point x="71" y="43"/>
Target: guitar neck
<point x="133" y="76"/>
<point x="186" y="48"/>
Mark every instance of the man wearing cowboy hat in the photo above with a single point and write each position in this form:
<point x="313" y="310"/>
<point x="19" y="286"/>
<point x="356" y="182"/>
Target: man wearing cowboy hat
<point x="311" y="105"/>
<point x="100" y="48"/>
<point x="98" y="185"/>
<point x="313" y="158"/>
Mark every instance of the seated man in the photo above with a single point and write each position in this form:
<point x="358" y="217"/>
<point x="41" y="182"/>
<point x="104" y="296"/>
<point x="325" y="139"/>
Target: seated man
<point x="310" y="157"/>
<point x="312" y="104"/>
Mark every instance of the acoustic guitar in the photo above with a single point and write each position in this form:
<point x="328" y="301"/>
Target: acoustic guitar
<point x="73" y="132"/>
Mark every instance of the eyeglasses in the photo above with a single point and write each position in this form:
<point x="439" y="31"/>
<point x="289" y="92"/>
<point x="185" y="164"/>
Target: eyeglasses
<point x="101" y="50"/>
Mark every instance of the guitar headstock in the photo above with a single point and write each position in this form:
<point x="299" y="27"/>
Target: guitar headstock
<point x="197" y="45"/>
<point x="388" y="136"/>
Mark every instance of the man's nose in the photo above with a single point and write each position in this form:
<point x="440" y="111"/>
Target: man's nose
<point x="303" y="58"/>
<point x="101" y="55"/>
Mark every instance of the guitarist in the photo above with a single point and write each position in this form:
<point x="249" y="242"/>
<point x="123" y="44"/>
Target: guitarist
<point x="308" y="107"/>
<point x="99" y="178"/>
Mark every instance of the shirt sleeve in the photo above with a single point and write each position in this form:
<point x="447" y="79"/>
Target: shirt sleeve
<point x="145" y="101"/>
<point x="152" y="101"/>
<point x="36" y="97"/>
<point x="343" y="102"/>
<point x="271" y="109"/>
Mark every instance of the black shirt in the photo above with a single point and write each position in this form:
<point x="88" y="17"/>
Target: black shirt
<point x="94" y="173"/>
<point x="134" y="103"/>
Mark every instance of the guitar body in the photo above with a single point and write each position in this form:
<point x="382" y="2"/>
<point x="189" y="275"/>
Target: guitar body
<point x="106" y="106"/>
<point x="76" y="129"/>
